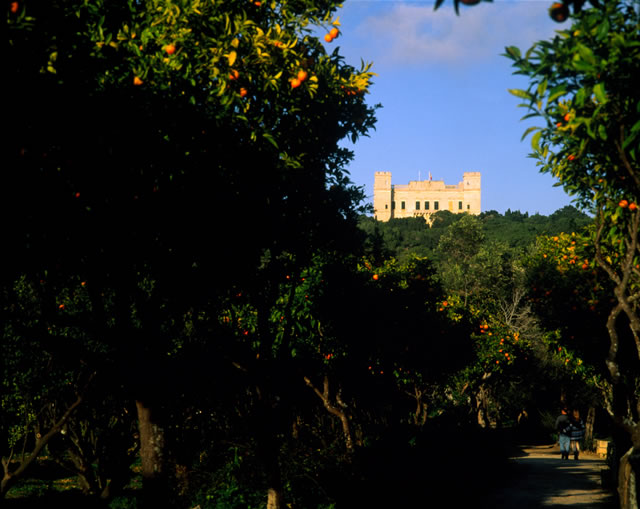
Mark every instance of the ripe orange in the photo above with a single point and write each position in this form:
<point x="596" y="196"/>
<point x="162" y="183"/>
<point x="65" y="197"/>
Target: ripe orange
<point x="243" y="92"/>
<point x="334" y="32"/>
<point x="567" y="117"/>
<point x="571" y="157"/>
<point x="170" y="49"/>
<point x="137" y="81"/>
<point x="375" y="277"/>
<point x="234" y="74"/>
<point x="623" y="203"/>
<point x="559" y="12"/>
<point x="328" y="38"/>
<point x="14" y="7"/>
<point x="632" y="206"/>
<point x="302" y="75"/>
<point x="295" y="83"/>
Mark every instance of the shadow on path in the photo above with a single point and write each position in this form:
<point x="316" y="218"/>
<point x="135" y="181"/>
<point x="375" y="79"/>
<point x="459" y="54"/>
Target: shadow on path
<point x="537" y="477"/>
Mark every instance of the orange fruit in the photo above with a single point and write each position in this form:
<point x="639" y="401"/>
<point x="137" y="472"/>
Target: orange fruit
<point x="334" y="32"/>
<point x="571" y="157"/>
<point x="633" y="206"/>
<point x="170" y="49"/>
<point x="567" y="117"/>
<point x="243" y="92"/>
<point x="234" y="74"/>
<point x="295" y="83"/>
<point x="559" y="12"/>
<point x="302" y="75"/>
<point x="13" y="7"/>
<point x="137" y="81"/>
<point x="328" y="38"/>
<point x="623" y="203"/>
<point x="375" y="277"/>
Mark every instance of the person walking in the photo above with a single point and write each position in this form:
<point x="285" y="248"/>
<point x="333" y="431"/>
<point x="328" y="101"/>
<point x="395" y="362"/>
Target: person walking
<point x="563" y="427"/>
<point x="576" y="433"/>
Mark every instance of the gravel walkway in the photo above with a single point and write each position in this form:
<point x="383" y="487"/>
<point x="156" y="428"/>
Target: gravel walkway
<point x="538" y="477"/>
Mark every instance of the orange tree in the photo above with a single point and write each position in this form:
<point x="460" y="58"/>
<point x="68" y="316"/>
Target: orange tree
<point x="164" y="151"/>
<point x="357" y="353"/>
<point x="581" y="86"/>
<point x="571" y="296"/>
<point x="51" y="395"/>
<point x="359" y="349"/>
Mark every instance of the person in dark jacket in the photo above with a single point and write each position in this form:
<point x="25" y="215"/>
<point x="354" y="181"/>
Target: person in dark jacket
<point x="563" y="427"/>
<point x="576" y="433"/>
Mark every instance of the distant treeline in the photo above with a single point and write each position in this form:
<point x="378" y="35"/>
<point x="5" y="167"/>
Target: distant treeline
<point x="400" y="237"/>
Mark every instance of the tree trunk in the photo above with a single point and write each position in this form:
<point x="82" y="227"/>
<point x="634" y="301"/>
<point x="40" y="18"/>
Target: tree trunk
<point x="274" y="499"/>
<point x="338" y="409"/>
<point x="589" y="424"/>
<point x="152" y="454"/>
<point x="628" y="479"/>
<point x="11" y="477"/>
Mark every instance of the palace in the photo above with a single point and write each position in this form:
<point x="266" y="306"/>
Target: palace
<point x="424" y="197"/>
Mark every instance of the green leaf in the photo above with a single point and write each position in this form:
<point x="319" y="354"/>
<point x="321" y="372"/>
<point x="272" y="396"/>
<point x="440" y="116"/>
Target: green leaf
<point x="542" y="88"/>
<point x="586" y="54"/>
<point x="603" y="30"/>
<point x="599" y="92"/>
<point x="530" y="129"/>
<point x="530" y="115"/>
<point x="513" y="52"/>
<point x="602" y="132"/>
<point x="520" y="93"/>
<point x="556" y="92"/>
<point x="535" y="141"/>
<point x="270" y="139"/>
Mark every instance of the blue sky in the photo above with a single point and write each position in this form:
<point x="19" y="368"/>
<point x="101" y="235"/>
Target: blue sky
<point x="443" y="85"/>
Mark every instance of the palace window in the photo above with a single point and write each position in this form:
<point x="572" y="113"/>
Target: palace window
<point x="426" y="205"/>
<point x="459" y="205"/>
<point x="393" y="205"/>
<point x="402" y="205"/>
<point x="417" y="205"/>
<point x="436" y="205"/>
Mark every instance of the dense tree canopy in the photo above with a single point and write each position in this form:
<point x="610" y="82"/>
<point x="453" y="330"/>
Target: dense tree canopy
<point x="186" y="286"/>
<point x="581" y="85"/>
<point x="163" y="157"/>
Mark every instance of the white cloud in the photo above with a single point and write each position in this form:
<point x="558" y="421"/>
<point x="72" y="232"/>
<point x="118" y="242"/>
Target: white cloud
<point x="414" y="34"/>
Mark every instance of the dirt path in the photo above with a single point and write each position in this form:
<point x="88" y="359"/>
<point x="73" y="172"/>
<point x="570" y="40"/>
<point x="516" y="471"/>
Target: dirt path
<point x="539" y="478"/>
